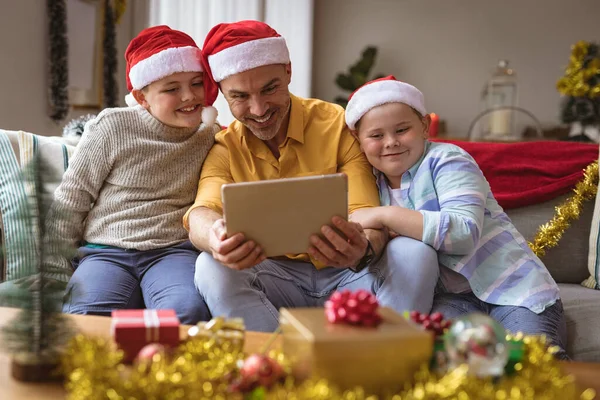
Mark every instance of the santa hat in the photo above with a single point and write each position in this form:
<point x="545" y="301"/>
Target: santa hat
<point x="240" y="46"/>
<point x="158" y="52"/>
<point x="382" y="91"/>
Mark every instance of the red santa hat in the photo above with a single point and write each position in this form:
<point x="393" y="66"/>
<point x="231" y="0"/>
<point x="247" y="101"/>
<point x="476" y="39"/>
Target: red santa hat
<point x="382" y="91"/>
<point x="231" y="48"/>
<point x="158" y="52"/>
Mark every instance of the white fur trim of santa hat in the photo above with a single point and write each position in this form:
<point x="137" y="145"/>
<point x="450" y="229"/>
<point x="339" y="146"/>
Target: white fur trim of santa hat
<point x="248" y="55"/>
<point x="165" y="63"/>
<point x="382" y="92"/>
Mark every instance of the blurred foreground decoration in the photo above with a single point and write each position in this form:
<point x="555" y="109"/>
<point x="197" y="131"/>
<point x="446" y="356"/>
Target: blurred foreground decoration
<point x="580" y="87"/>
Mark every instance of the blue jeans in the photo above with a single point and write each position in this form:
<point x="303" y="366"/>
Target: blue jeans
<point x="403" y="279"/>
<point x="551" y="322"/>
<point x="108" y="279"/>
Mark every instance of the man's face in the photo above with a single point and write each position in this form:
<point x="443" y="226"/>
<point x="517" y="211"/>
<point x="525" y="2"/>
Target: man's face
<point x="259" y="98"/>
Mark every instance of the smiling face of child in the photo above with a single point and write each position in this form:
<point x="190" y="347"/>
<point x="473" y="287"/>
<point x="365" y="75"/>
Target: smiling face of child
<point x="392" y="137"/>
<point x="175" y="100"/>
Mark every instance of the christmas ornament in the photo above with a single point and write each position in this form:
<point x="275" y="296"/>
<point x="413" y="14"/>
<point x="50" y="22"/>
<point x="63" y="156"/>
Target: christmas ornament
<point x="258" y="370"/>
<point x="434" y="322"/>
<point x="355" y="308"/>
<point x="479" y="342"/>
<point x="93" y="370"/>
<point x="147" y="353"/>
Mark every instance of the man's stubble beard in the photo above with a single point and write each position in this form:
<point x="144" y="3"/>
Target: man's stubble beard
<point x="263" y="135"/>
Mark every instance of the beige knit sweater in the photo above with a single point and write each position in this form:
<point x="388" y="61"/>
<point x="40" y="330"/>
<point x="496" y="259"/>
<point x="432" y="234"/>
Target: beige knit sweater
<point x="130" y="181"/>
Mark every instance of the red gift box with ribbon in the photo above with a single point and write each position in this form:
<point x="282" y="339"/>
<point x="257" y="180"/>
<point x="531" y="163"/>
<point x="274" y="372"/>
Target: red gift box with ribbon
<point x="133" y="329"/>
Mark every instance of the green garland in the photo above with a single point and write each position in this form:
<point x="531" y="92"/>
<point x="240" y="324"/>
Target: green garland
<point x="58" y="54"/>
<point x="109" y="69"/>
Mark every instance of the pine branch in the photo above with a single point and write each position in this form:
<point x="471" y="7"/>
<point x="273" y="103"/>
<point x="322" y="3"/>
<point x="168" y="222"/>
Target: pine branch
<point x="39" y="329"/>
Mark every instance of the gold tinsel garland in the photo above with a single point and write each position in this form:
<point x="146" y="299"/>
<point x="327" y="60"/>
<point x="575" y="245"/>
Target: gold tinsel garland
<point x="200" y="370"/>
<point x="550" y="233"/>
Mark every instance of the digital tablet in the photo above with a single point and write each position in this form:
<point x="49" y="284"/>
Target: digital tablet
<point x="281" y="214"/>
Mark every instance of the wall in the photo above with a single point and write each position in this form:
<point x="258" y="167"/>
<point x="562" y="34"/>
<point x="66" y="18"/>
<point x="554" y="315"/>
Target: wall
<point x="23" y="63"/>
<point x="448" y="48"/>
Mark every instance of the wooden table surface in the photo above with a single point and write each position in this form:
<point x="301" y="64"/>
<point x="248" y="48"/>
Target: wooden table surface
<point x="587" y="375"/>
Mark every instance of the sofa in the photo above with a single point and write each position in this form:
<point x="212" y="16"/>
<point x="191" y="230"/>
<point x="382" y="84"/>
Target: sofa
<point x="567" y="262"/>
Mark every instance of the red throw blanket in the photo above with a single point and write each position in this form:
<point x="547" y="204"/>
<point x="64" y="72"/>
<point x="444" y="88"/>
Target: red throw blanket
<point x="526" y="173"/>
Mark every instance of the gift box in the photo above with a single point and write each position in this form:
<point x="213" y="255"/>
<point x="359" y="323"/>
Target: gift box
<point x="224" y="332"/>
<point x="133" y="329"/>
<point x="379" y="359"/>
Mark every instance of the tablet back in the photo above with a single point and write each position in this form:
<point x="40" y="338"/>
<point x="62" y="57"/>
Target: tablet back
<point x="281" y="214"/>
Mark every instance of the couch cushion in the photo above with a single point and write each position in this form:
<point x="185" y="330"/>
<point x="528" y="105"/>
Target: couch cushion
<point x="567" y="262"/>
<point x="18" y="246"/>
<point x="17" y="237"/>
<point x="581" y="312"/>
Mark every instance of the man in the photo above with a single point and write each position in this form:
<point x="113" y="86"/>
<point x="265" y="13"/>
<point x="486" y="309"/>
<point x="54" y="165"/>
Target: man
<point x="279" y="135"/>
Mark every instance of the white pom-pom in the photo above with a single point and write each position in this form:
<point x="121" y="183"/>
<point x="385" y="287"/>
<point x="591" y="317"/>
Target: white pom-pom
<point x="130" y="100"/>
<point x="209" y="115"/>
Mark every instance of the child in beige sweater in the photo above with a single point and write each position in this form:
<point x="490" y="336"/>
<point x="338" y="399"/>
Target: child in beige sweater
<point x="132" y="178"/>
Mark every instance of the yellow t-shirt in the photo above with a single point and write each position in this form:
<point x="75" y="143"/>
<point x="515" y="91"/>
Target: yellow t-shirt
<point x="318" y="142"/>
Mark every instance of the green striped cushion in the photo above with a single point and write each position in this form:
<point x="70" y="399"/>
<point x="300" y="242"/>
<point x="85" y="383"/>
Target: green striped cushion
<point x="18" y="239"/>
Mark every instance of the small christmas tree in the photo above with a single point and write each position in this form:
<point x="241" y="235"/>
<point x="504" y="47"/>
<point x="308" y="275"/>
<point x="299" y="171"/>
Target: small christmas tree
<point x="38" y="333"/>
<point x="357" y="75"/>
<point x="581" y="87"/>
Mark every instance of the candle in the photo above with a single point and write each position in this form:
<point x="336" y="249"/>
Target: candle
<point x="500" y="123"/>
<point x="434" y="126"/>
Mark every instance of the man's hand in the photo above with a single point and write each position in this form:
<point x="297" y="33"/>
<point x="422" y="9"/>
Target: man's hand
<point x="235" y="252"/>
<point x="368" y="218"/>
<point x="336" y="251"/>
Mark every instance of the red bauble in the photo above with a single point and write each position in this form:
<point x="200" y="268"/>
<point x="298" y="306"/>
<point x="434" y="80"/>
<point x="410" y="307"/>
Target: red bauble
<point x="434" y="322"/>
<point x="258" y="370"/>
<point x="147" y="352"/>
<point x="356" y="308"/>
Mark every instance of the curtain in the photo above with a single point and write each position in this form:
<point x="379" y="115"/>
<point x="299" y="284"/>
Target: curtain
<point x="293" y="19"/>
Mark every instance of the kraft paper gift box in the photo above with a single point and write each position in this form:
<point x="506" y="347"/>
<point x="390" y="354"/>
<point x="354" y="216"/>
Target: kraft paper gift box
<point x="133" y="329"/>
<point x="379" y="359"/>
